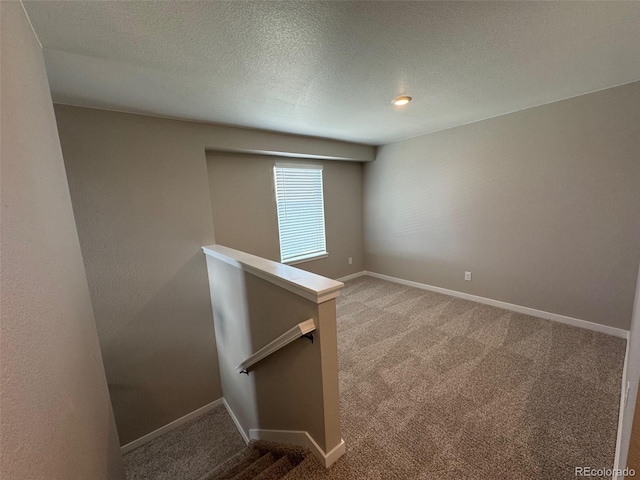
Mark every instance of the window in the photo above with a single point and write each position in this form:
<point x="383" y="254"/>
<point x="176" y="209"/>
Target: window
<point x="300" y="212"/>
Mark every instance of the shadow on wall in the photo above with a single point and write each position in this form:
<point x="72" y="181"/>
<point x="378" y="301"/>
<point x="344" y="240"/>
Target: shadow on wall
<point x="114" y="451"/>
<point x="233" y="336"/>
<point x="289" y="383"/>
<point x="283" y="391"/>
<point x="146" y="366"/>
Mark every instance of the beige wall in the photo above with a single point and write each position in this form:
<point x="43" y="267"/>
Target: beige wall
<point x="56" y="417"/>
<point x="141" y="199"/>
<point x="295" y="388"/>
<point x="245" y="216"/>
<point x="542" y="206"/>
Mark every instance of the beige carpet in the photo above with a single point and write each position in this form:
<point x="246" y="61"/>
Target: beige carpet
<point x="434" y="387"/>
<point x="189" y="451"/>
<point x="263" y="460"/>
<point x="437" y="387"/>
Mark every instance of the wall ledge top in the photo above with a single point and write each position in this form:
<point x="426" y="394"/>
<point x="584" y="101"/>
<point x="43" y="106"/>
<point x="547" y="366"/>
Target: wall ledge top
<point x="313" y="287"/>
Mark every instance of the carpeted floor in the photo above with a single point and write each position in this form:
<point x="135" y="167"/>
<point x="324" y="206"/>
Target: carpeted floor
<point x="189" y="451"/>
<point x="437" y="387"/>
<point x="434" y="387"/>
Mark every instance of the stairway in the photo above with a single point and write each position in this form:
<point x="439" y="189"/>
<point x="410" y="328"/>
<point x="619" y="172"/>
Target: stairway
<point x="263" y="460"/>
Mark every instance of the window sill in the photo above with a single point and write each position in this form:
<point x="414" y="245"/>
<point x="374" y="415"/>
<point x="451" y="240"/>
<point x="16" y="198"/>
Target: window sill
<point x="309" y="258"/>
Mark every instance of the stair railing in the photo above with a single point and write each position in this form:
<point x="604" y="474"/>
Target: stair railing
<point x="303" y="329"/>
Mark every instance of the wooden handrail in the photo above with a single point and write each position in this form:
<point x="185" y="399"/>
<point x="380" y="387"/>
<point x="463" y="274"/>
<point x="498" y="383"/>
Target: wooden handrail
<point x="300" y="330"/>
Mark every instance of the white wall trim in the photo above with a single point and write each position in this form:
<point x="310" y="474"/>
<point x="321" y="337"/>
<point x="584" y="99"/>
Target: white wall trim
<point x="235" y="420"/>
<point x="623" y="403"/>
<point x="313" y="287"/>
<point x="352" y="276"/>
<point x="302" y="439"/>
<point x="576" y="322"/>
<point x="630" y="377"/>
<point x="170" y="426"/>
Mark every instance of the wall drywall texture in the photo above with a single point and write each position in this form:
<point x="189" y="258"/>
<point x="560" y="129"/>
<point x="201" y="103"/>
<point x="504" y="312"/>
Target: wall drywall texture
<point x="140" y="194"/>
<point x="56" y="417"/>
<point x="540" y="205"/>
<point x="141" y="201"/>
<point x="295" y="388"/>
<point x="245" y="216"/>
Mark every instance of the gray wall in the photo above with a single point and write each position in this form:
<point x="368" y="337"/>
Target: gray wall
<point x="542" y="206"/>
<point x="56" y="418"/>
<point x="295" y="388"/>
<point x="142" y="203"/>
<point x="245" y="216"/>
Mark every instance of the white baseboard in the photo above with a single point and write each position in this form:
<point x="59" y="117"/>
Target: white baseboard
<point x="596" y="327"/>
<point x="352" y="276"/>
<point x="235" y="420"/>
<point x="291" y="437"/>
<point x="302" y="439"/>
<point x="170" y="426"/>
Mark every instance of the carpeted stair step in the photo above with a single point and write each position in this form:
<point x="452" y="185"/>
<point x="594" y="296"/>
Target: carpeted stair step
<point x="264" y="460"/>
<point x="256" y="467"/>
<point x="295" y="453"/>
<point x="308" y="468"/>
<point x="277" y="470"/>
<point x="234" y="465"/>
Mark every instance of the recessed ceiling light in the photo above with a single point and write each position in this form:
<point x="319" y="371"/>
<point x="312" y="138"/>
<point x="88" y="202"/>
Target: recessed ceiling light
<point x="402" y="100"/>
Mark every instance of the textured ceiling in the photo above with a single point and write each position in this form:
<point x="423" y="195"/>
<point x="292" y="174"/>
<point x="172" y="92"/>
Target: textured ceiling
<point x="330" y="69"/>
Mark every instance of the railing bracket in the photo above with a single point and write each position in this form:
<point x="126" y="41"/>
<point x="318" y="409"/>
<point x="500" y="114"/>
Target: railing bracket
<point x="303" y="329"/>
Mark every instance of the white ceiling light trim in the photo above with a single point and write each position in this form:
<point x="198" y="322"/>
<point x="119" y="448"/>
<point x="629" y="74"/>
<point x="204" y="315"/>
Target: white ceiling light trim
<point x="402" y="100"/>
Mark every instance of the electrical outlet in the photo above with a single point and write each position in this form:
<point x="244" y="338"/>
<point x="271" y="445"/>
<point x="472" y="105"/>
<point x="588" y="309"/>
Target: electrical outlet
<point x="350" y="260"/>
<point x="467" y="276"/>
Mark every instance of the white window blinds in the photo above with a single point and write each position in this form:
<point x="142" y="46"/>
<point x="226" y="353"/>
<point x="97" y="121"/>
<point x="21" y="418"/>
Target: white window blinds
<point x="300" y="212"/>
